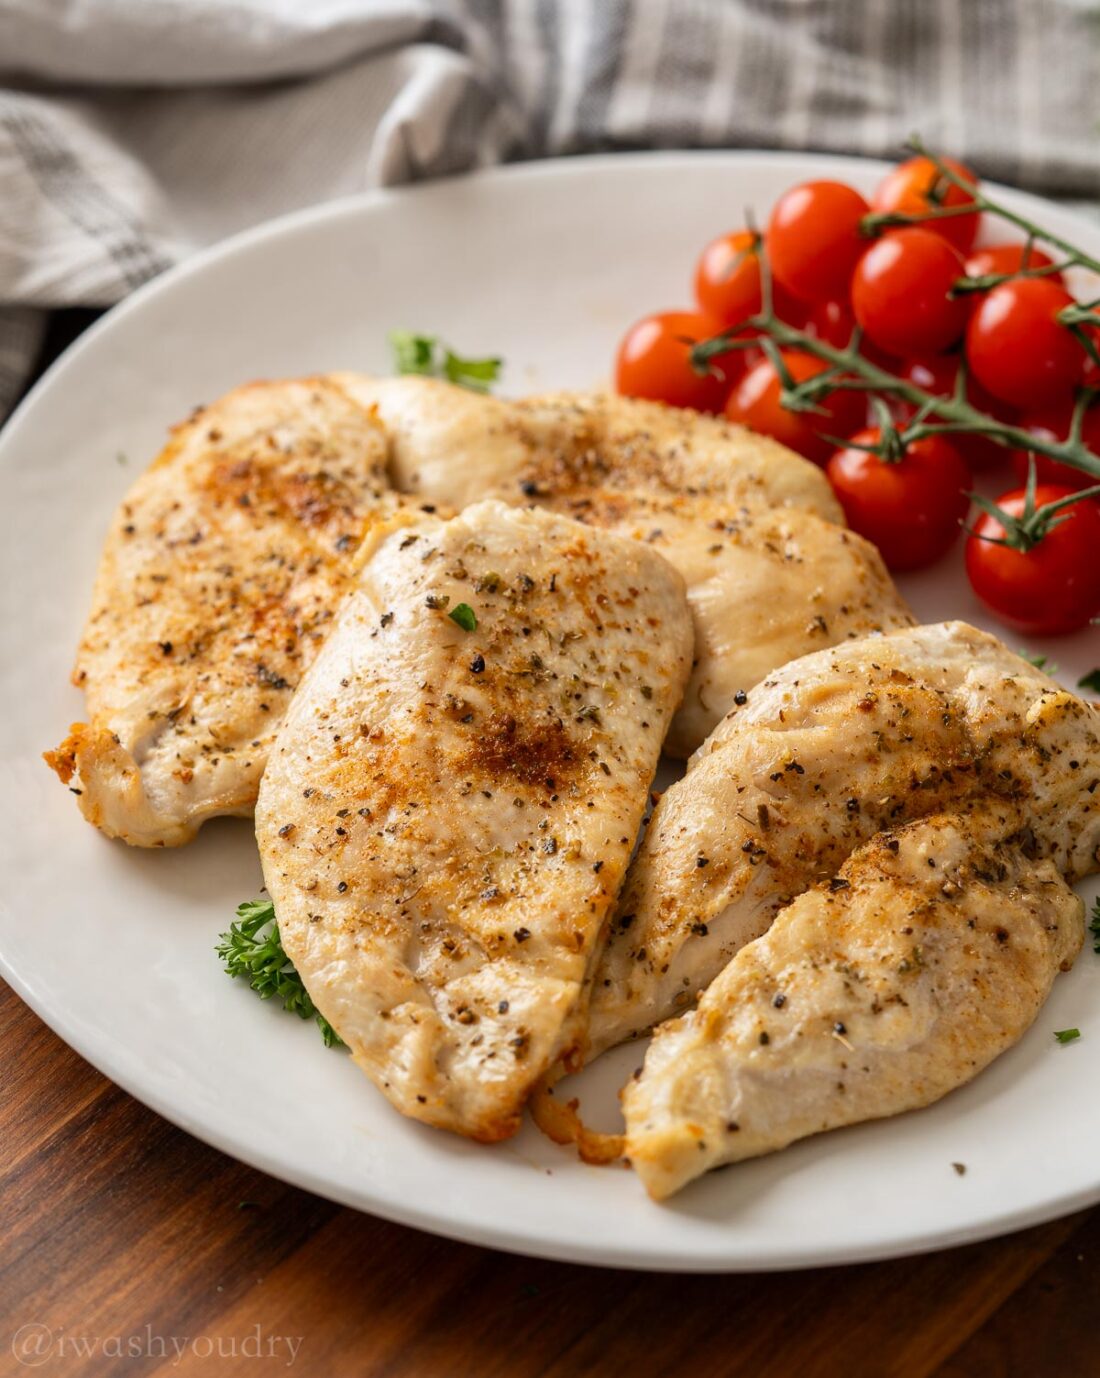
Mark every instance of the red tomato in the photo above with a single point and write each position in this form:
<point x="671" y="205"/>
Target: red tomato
<point x="814" y="239"/>
<point x="831" y="321"/>
<point x="1055" y="586"/>
<point x="912" y="509"/>
<point x="996" y="259"/>
<point x="900" y="293"/>
<point x="654" y="362"/>
<point x="938" y="374"/>
<point x="755" y="402"/>
<point x="1052" y="423"/>
<point x="906" y="191"/>
<point x="1016" y="346"/>
<point x="727" y="278"/>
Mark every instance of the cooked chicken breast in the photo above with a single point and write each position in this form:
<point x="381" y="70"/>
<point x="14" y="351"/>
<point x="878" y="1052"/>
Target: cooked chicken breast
<point x="927" y="956"/>
<point x="824" y="754"/>
<point x="448" y="813"/>
<point x="220" y="576"/>
<point x="454" y="446"/>
<point x="754" y="529"/>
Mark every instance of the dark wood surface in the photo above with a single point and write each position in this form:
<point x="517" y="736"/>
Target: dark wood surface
<point x="127" y="1247"/>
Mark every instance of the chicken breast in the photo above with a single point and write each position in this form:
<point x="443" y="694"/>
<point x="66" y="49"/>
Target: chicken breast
<point x="824" y="754"/>
<point x="220" y="576"/>
<point x="453" y="446"/>
<point x="754" y="529"/>
<point x="449" y="809"/>
<point x="926" y="957"/>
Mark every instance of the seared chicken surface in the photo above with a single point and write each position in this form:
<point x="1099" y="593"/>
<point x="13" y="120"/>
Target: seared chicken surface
<point x="220" y="576"/>
<point x="879" y="991"/>
<point x="233" y="551"/>
<point x="754" y="529"/>
<point x="447" y="814"/>
<point x="824" y="754"/>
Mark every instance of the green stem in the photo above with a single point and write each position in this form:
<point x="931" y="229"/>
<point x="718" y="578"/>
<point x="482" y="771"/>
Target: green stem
<point x="958" y="415"/>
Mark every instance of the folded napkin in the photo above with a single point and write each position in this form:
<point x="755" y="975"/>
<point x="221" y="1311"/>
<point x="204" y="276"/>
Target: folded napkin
<point x="132" y="132"/>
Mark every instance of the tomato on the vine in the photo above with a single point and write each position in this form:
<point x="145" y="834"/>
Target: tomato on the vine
<point x="995" y="260"/>
<point x="1054" y="586"/>
<point x="909" y="188"/>
<point x="1017" y="347"/>
<point x="831" y="321"/>
<point x="901" y="293"/>
<point x="814" y="238"/>
<point x="727" y="277"/>
<point x="1053" y="423"/>
<point x="654" y="362"/>
<point x="938" y="374"/>
<point x="756" y="402"/>
<point x="912" y="508"/>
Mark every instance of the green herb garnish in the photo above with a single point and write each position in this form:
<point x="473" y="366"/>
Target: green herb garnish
<point x="1041" y="662"/>
<point x="1094" y="925"/>
<point x="465" y="616"/>
<point x="1067" y="1035"/>
<point x="253" y="949"/>
<point x="427" y="355"/>
<point x="1090" y="681"/>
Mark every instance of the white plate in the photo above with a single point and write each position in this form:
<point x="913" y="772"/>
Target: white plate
<point x="114" y="948"/>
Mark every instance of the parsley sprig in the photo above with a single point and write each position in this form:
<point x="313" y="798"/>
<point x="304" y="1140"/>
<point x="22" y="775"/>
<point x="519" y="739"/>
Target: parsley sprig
<point x="428" y="355"/>
<point x="253" y="949"/>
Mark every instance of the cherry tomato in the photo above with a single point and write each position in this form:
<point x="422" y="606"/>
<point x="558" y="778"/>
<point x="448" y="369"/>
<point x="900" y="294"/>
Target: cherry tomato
<point x="755" y="402"/>
<point x="912" y="508"/>
<point x="654" y="362"/>
<point x="1055" y="586"/>
<point x="996" y="259"/>
<point x="831" y="321"/>
<point x="900" y="293"/>
<point x="938" y="374"/>
<point x="906" y="190"/>
<point x="1053" y="423"/>
<point x="1016" y="346"/>
<point x="814" y="239"/>
<point x="727" y="278"/>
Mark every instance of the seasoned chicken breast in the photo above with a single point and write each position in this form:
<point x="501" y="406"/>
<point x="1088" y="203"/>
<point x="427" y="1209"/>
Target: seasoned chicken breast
<point x="879" y="991"/>
<point x="220" y="576"/>
<point x="449" y="809"/>
<point x="824" y="754"/>
<point x="454" y="446"/>
<point x="754" y="529"/>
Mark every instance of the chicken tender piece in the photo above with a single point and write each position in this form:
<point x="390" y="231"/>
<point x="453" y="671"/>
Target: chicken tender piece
<point x="220" y="577"/>
<point x="823" y="755"/>
<point x="928" y="955"/>
<point x="449" y="809"/>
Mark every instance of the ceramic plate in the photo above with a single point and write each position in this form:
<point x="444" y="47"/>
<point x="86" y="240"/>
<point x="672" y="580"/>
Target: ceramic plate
<point x="115" y="948"/>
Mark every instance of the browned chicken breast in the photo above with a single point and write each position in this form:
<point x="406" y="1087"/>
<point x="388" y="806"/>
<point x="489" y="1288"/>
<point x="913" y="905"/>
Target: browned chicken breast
<point x="754" y="529"/>
<point x="824" y="754"/>
<point x="220" y="576"/>
<point x="879" y="991"/>
<point x="453" y="797"/>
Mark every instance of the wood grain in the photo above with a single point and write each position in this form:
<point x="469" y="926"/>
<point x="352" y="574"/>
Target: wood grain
<point x="117" y="1228"/>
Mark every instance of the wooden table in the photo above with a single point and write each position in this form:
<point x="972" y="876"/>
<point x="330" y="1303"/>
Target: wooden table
<point x="127" y="1247"/>
<point x="117" y="1229"/>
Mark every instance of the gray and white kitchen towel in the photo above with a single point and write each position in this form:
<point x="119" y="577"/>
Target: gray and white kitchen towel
<point x="132" y="132"/>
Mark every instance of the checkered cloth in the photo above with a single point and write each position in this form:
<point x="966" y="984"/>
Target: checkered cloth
<point x="133" y="132"/>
